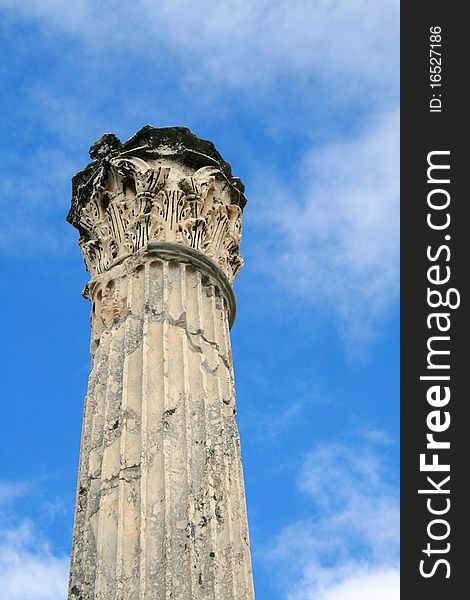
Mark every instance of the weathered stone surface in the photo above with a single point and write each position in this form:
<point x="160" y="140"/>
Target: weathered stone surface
<point x="160" y="508"/>
<point x="164" y="185"/>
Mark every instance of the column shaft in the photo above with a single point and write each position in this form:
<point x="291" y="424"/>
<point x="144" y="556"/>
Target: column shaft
<point x="160" y="502"/>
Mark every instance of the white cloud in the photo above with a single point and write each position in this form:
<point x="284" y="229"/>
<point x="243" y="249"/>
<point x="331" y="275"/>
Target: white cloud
<point x="337" y="227"/>
<point x="28" y="568"/>
<point x="348" y="548"/>
<point x="359" y="584"/>
<point x="243" y="42"/>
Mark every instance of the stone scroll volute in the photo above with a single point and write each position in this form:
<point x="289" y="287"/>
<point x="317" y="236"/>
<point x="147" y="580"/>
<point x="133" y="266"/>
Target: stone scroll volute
<point x="162" y="185"/>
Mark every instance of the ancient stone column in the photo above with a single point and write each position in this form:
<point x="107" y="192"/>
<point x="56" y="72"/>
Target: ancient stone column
<point x="160" y="510"/>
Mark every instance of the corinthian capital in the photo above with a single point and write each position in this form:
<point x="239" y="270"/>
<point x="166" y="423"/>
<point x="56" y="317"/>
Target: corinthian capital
<point x="163" y="185"/>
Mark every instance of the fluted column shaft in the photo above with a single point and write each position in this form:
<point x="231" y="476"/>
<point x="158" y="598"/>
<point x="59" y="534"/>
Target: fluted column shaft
<point x="160" y="502"/>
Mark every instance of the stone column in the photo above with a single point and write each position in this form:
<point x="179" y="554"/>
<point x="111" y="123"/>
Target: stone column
<point x="160" y="510"/>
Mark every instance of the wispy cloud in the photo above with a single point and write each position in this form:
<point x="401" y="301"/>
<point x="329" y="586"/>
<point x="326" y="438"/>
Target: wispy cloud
<point x="10" y="490"/>
<point x="336" y="241"/>
<point x="270" y="425"/>
<point x="247" y="41"/>
<point x="348" y="548"/>
<point x="29" y="568"/>
<point x="354" y="582"/>
<point x="34" y="200"/>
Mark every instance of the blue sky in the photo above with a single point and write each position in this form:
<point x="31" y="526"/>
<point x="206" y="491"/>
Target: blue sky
<point x="301" y="98"/>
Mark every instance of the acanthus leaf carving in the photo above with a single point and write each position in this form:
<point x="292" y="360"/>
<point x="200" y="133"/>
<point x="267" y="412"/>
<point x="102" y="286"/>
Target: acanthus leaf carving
<point x="130" y="202"/>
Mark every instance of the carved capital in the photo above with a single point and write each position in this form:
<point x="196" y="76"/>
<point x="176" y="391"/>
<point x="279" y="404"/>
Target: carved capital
<point x="162" y="185"/>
